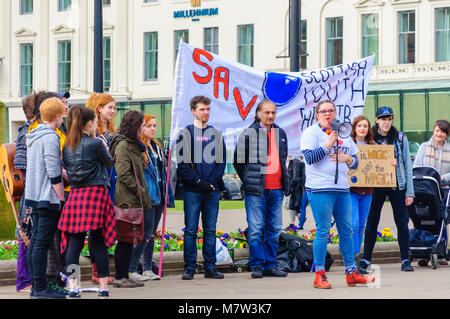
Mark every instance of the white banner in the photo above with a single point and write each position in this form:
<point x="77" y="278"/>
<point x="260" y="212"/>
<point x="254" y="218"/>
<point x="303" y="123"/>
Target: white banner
<point x="236" y="89"/>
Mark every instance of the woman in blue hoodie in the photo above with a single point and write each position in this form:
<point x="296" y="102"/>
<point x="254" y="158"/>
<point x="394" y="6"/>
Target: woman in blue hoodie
<point x="155" y="175"/>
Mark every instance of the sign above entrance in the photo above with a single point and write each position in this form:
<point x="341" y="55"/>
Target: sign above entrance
<point x="195" y="13"/>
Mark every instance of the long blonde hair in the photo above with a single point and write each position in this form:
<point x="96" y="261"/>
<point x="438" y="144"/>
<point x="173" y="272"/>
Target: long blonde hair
<point x="95" y="102"/>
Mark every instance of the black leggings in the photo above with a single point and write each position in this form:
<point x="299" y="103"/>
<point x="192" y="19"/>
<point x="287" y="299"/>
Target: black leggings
<point x="122" y="259"/>
<point x="75" y="245"/>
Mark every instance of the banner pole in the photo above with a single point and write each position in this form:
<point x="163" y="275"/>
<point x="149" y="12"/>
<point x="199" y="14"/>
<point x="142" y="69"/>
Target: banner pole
<point x="164" y="214"/>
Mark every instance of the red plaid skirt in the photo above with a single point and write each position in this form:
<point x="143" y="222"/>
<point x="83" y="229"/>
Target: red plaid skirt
<point x="88" y="208"/>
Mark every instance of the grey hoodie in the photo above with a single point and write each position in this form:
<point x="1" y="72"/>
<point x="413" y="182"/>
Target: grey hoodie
<point x="44" y="168"/>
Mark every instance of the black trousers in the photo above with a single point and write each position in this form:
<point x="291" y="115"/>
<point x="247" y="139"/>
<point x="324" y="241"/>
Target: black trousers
<point x="75" y="244"/>
<point x="122" y="259"/>
<point x="397" y="198"/>
<point x="45" y="223"/>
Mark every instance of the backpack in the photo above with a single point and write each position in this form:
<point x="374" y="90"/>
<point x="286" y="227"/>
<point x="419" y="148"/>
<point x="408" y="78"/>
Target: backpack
<point x="295" y="254"/>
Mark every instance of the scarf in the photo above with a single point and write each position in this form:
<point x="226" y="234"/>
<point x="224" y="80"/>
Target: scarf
<point x="432" y="154"/>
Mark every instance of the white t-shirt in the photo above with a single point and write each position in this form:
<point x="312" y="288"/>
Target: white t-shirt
<point x="321" y="175"/>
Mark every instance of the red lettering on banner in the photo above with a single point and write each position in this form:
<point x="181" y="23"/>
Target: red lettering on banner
<point x="196" y="57"/>
<point x="225" y="80"/>
<point x="240" y="105"/>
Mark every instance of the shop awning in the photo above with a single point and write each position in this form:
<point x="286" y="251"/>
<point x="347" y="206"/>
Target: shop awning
<point x="409" y="85"/>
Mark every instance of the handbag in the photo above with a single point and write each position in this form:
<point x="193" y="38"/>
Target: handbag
<point x="129" y="221"/>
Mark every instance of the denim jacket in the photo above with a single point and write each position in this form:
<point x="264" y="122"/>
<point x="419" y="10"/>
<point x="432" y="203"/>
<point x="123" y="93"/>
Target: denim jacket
<point x="157" y="196"/>
<point x="404" y="166"/>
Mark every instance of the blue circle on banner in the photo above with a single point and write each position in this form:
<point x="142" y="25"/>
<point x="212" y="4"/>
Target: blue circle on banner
<point x="354" y="179"/>
<point x="281" y="88"/>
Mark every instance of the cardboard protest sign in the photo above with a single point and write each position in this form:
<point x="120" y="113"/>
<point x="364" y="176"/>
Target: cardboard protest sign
<point x="236" y="89"/>
<point x="375" y="167"/>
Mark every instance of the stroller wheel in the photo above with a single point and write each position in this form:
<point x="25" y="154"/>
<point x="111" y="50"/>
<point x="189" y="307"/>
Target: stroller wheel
<point x="434" y="261"/>
<point x="423" y="263"/>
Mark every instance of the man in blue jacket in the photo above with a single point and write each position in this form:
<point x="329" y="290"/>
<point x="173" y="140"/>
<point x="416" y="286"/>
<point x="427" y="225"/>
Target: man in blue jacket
<point x="201" y="159"/>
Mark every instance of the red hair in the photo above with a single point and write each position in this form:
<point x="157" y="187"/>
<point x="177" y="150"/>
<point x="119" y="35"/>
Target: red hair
<point x="95" y="102"/>
<point x="145" y="140"/>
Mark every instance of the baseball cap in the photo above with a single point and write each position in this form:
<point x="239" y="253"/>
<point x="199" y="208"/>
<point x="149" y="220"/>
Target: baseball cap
<point x="384" y="111"/>
<point x="66" y="95"/>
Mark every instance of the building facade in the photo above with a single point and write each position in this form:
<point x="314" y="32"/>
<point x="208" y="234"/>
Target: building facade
<point x="48" y="44"/>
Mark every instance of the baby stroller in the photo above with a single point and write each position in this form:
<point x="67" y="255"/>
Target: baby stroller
<point x="429" y="214"/>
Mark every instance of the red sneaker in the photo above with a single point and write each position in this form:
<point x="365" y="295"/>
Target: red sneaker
<point x="321" y="281"/>
<point x="358" y="278"/>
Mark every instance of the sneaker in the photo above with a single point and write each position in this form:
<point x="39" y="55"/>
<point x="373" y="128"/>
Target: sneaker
<point x="123" y="283"/>
<point x="363" y="267"/>
<point x="321" y="281"/>
<point x="47" y="293"/>
<point x="74" y="294"/>
<point x="257" y="272"/>
<point x="137" y="277"/>
<point x="406" y="266"/>
<point x="187" y="275"/>
<point x="358" y="278"/>
<point x="103" y="294"/>
<point x="213" y="274"/>
<point x="52" y="284"/>
<point x="150" y="274"/>
<point x="275" y="272"/>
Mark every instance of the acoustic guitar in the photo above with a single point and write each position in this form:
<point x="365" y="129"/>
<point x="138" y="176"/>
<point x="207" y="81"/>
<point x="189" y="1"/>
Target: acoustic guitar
<point x="13" y="184"/>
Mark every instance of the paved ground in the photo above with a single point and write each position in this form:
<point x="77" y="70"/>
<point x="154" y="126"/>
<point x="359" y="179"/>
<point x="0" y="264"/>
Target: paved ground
<point x="391" y="283"/>
<point x="423" y="283"/>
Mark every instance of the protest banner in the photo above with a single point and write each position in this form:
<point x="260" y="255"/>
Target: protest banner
<point x="375" y="167"/>
<point x="236" y="89"/>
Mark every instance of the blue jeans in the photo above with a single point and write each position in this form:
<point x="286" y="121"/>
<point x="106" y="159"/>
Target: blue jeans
<point x="145" y="248"/>
<point x="303" y="204"/>
<point x="208" y="205"/>
<point x="324" y="205"/>
<point x="360" y="211"/>
<point x="264" y="218"/>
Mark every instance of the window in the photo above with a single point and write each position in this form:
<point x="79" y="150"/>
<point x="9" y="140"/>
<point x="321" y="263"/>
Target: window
<point x="26" y="6"/>
<point x="149" y="1"/>
<point x="303" y="50"/>
<point x="177" y="35"/>
<point x="334" y="40"/>
<point x="64" y="5"/>
<point x="443" y="34"/>
<point x="246" y="44"/>
<point x="211" y="40"/>
<point x="64" y="65"/>
<point x="370" y="35"/>
<point x="26" y="68"/>
<point x="151" y="56"/>
<point x="106" y="3"/>
<point x="106" y="64"/>
<point x="407" y="37"/>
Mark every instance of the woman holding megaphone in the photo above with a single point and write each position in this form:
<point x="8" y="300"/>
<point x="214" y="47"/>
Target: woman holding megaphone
<point x="327" y="189"/>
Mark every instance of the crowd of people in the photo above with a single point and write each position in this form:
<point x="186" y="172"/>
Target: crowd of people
<point x="79" y="173"/>
<point x="86" y="180"/>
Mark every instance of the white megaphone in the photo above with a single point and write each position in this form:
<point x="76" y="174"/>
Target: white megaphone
<point x="344" y="129"/>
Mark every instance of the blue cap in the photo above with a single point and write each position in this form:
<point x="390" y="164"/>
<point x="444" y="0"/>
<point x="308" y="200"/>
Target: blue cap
<point x="384" y="111"/>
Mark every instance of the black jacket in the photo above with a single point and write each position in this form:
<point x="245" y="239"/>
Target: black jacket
<point x="87" y="164"/>
<point x="192" y="166"/>
<point x="251" y="155"/>
<point x="296" y="172"/>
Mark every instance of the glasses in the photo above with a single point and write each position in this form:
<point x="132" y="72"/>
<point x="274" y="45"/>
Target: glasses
<point x="327" y="111"/>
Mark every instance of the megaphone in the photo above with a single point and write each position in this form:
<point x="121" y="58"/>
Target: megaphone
<point x="344" y="129"/>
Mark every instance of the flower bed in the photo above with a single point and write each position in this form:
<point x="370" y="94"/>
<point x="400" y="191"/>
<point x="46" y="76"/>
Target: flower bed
<point x="384" y="236"/>
<point x="174" y="242"/>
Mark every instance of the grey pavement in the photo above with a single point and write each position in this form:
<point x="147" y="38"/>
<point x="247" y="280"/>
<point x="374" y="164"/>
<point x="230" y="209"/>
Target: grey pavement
<point x="423" y="283"/>
<point x="391" y="283"/>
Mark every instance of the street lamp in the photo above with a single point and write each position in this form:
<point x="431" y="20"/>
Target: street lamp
<point x="98" y="46"/>
<point x="294" y="34"/>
